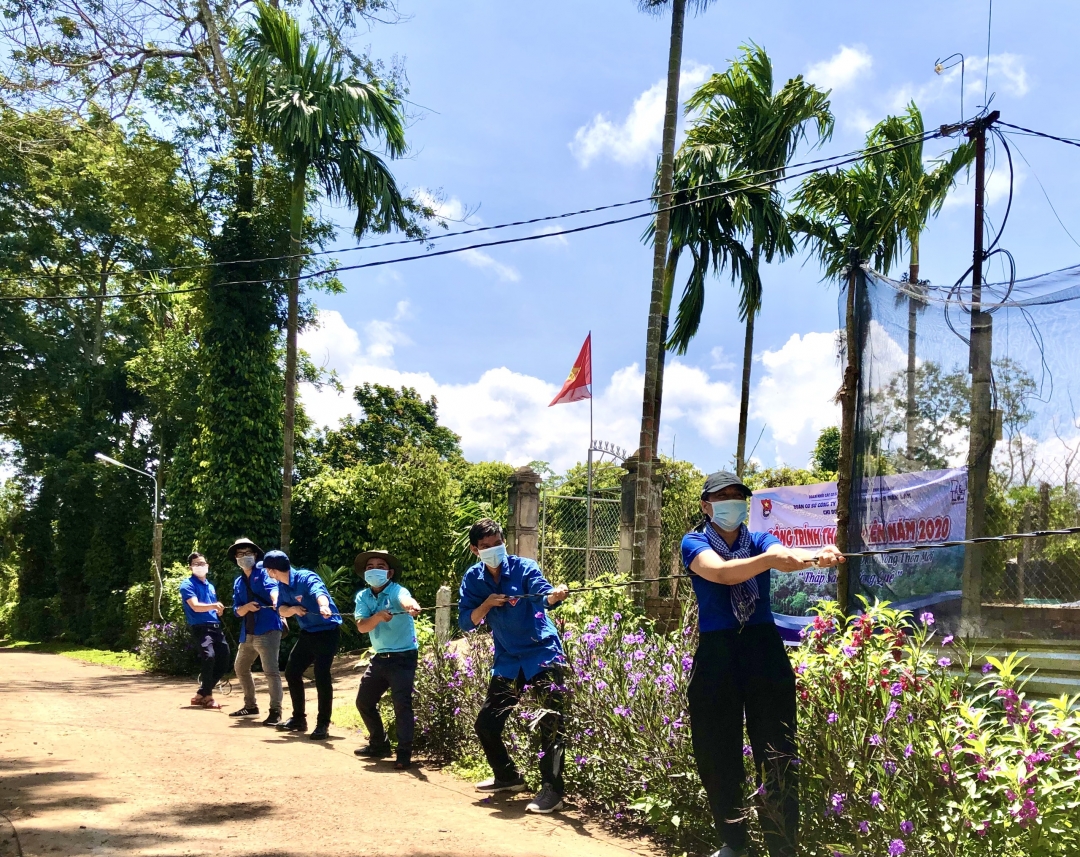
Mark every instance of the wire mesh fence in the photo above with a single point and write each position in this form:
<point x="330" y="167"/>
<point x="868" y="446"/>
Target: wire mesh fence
<point x="914" y="416"/>
<point x="567" y="554"/>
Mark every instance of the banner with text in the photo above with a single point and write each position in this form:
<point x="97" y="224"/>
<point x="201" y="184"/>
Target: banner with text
<point x="905" y="509"/>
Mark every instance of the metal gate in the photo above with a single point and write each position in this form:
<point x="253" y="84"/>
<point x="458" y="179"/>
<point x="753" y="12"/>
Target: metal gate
<point x="567" y="553"/>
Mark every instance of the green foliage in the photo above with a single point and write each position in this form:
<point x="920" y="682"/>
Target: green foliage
<point x="680" y="509"/>
<point x="778" y="477"/>
<point x="392" y="420"/>
<point x="826" y="455"/>
<point x="406" y="507"/>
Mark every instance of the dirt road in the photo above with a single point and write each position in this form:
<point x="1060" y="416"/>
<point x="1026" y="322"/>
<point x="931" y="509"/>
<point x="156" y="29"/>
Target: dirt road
<point x="97" y="760"/>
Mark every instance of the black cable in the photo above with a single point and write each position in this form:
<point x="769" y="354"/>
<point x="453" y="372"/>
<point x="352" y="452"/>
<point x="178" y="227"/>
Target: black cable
<point x="498" y="243"/>
<point x="883" y="148"/>
<point x="1028" y="131"/>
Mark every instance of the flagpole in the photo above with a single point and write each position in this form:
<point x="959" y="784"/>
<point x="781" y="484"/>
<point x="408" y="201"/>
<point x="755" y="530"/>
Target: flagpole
<point x="589" y="492"/>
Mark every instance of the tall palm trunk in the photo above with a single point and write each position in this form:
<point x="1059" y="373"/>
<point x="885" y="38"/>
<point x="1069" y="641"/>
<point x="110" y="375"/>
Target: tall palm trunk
<point x="653" y="342"/>
<point x="296" y="224"/>
<point x="912" y="321"/>
<point x="747" y="363"/>
<point x="669" y="286"/>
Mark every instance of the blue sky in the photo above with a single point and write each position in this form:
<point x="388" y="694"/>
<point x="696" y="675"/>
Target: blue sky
<point x="534" y="109"/>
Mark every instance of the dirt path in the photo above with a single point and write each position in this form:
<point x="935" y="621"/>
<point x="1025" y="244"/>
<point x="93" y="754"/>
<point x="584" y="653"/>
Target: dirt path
<point x="99" y="760"/>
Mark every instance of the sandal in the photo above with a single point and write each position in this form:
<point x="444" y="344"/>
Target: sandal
<point x="210" y="704"/>
<point x="198" y="699"/>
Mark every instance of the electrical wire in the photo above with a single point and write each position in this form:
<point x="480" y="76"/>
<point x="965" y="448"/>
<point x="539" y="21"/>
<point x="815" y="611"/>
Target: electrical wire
<point x="501" y="242"/>
<point x="911" y="139"/>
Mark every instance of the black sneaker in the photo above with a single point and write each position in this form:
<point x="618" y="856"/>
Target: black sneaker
<point x="320" y="733"/>
<point x="373" y="751"/>
<point x="728" y="851"/>
<point x="547" y="800"/>
<point x="493" y="785"/>
<point x="273" y="718"/>
<point x="246" y="711"/>
<point x="294" y="724"/>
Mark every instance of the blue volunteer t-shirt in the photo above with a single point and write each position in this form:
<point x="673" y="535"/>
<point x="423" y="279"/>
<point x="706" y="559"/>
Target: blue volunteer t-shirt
<point x="714" y="599"/>
<point x="261" y="585"/>
<point x="397" y="635"/>
<point x="303" y="590"/>
<point x="204" y="593"/>
<point x="525" y="637"/>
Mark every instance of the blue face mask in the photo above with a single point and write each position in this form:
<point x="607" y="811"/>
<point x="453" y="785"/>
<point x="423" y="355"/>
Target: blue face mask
<point x="729" y="514"/>
<point x="493" y="557"/>
<point x="376" y="577"/>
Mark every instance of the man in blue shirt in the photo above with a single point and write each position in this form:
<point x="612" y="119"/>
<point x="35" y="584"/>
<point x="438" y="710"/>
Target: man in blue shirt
<point x="741" y="669"/>
<point x="510" y="594"/>
<point x="255" y="603"/>
<point x="202" y="610"/>
<point x="385" y="612"/>
<point x="301" y="593"/>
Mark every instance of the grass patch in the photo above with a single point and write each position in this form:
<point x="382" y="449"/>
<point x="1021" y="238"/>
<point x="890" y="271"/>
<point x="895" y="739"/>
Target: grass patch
<point x="472" y="769"/>
<point x="103" y="657"/>
<point x="346" y="717"/>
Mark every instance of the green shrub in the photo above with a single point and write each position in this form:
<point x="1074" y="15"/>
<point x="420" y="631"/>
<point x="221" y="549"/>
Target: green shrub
<point x="168" y="648"/>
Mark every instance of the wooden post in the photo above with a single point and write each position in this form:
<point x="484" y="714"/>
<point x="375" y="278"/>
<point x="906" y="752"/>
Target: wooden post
<point x="981" y="432"/>
<point x="442" y="615"/>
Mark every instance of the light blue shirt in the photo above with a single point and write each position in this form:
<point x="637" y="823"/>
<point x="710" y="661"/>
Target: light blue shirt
<point x="397" y="635"/>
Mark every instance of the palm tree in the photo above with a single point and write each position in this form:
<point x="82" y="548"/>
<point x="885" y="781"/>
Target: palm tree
<point x="745" y="127"/>
<point x="654" y="337"/>
<point x="848" y="217"/>
<point x="319" y="120"/>
<point x="925" y="194"/>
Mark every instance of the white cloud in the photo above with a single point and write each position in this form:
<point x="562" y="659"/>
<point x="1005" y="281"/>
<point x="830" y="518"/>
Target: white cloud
<point x="480" y="259"/>
<point x="637" y="138"/>
<point x="554" y="238"/>
<point x="842" y="69"/>
<point x="1008" y="76"/>
<point x="795" y="398"/>
<point x="504" y="415"/>
<point x="449" y="208"/>
<point x="997" y="186"/>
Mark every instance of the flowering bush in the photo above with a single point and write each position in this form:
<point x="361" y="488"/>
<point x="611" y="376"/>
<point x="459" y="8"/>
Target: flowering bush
<point x="900" y="754"/>
<point x="167" y="648"/>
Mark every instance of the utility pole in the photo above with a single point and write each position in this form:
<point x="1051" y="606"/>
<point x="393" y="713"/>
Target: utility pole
<point x="982" y="429"/>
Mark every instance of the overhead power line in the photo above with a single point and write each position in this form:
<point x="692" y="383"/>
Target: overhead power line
<point x="825" y="164"/>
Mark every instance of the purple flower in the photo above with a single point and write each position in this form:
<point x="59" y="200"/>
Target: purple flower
<point x="890" y="767"/>
<point x="833" y="717"/>
<point x="927" y="619"/>
<point x="896" y="689"/>
<point x="747" y="750"/>
<point x="850" y="651"/>
<point x="836" y="803"/>
<point x="800" y="669"/>
<point x="875" y="799"/>
<point x="947" y="641"/>
<point x="907" y="828"/>
<point x="986" y="668"/>
<point x="908" y="750"/>
<point x="894" y="706"/>
<point x="875" y="741"/>
<point x="621" y="711"/>
<point x="864" y="827"/>
<point x="896" y="848"/>
<point x="944" y="662"/>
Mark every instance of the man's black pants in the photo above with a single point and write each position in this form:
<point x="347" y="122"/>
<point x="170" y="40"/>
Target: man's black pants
<point x="396" y="672"/>
<point x="502" y="696"/>
<point x="739" y="673"/>
<point x="319" y="648"/>
<point x="214" y="659"/>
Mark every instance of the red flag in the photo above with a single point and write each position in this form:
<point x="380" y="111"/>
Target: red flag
<point x="578" y="384"/>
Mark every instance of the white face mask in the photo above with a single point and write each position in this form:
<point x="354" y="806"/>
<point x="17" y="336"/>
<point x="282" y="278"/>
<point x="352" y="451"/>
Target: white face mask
<point x="246" y="562"/>
<point x="493" y="557"/>
<point x="200" y="571"/>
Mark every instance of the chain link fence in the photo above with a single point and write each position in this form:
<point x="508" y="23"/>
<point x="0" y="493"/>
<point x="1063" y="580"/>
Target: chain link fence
<point x="566" y="553"/>
<point x="1028" y="494"/>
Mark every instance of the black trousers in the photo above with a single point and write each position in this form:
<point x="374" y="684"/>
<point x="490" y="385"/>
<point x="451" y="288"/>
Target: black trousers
<point x="396" y="672"/>
<point x="214" y="657"/>
<point x="319" y="648"/>
<point x="502" y="696"/>
<point x="739" y="674"/>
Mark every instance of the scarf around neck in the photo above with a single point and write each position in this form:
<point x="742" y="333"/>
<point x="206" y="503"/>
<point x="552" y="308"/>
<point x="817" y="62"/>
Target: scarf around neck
<point x="745" y="595"/>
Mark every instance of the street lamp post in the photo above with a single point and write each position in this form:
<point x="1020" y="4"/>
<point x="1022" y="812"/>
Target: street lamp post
<point x="157" y="529"/>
